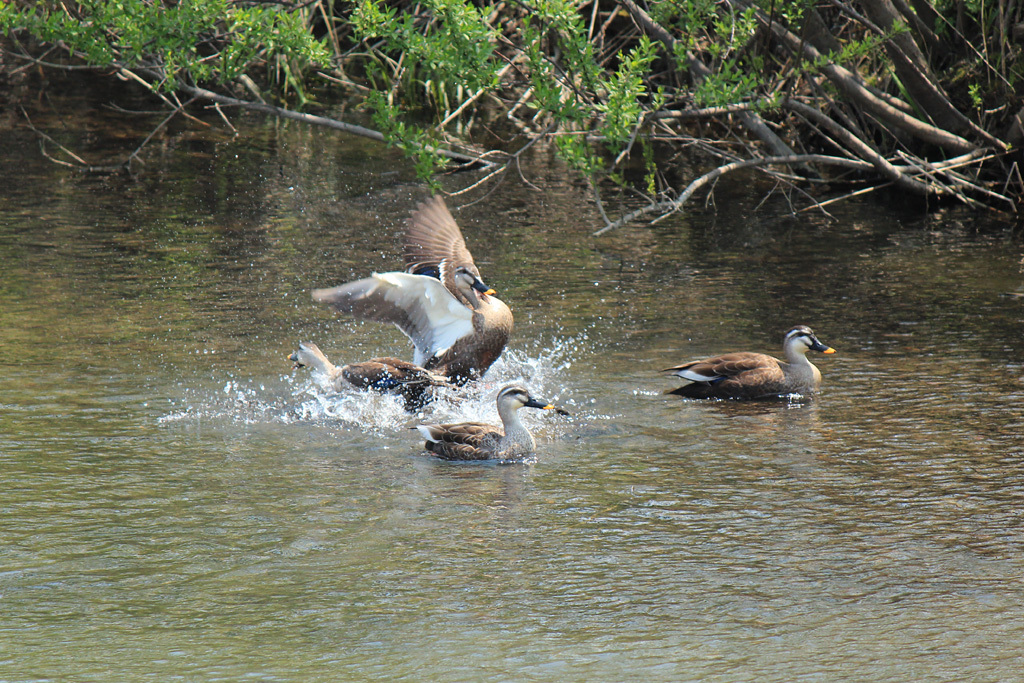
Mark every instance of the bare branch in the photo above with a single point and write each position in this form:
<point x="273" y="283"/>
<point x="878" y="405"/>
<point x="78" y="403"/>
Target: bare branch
<point x="677" y="203"/>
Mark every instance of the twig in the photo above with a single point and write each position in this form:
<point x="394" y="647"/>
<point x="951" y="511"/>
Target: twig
<point x="956" y="179"/>
<point x="472" y="98"/>
<point x="859" y="147"/>
<point x="677" y="203"/>
<point x="849" y="195"/>
<point x="46" y="137"/>
<point x="703" y="113"/>
<point x="224" y="118"/>
<point x="632" y="140"/>
<point x="149" y="137"/>
<point x="343" y="81"/>
<point x="598" y="202"/>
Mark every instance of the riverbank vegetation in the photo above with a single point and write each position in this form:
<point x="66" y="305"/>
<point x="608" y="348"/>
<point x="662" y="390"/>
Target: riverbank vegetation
<point x="830" y="98"/>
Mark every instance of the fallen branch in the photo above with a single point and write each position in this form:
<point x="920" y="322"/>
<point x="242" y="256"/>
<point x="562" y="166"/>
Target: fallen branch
<point x="668" y="207"/>
<point x="851" y="86"/>
<point x="859" y="147"/>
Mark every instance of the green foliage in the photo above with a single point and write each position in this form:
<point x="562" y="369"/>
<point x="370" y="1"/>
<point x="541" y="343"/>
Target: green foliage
<point x="552" y="92"/>
<point x="626" y="89"/>
<point x="580" y="74"/>
<point x="576" y="152"/>
<point x="974" y="91"/>
<point x="440" y="54"/>
<point x="454" y="48"/>
<point x="579" y="95"/>
<point x="729" y="85"/>
<point x="737" y="74"/>
<point x="651" y="168"/>
<point x="198" y="40"/>
<point x="791" y="12"/>
<point x="687" y="19"/>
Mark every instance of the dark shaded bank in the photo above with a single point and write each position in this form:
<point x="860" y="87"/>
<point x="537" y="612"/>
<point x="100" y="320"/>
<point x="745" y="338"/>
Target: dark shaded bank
<point x="829" y="100"/>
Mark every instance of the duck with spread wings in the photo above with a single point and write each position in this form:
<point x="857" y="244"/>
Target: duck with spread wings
<point x="456" y="324"/>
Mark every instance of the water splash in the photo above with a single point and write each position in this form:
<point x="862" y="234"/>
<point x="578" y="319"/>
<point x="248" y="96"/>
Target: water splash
<point x="305" y="397"/>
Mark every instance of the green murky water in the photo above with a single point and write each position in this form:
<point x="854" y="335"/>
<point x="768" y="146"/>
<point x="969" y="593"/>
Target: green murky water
<point x="177" y="504"/>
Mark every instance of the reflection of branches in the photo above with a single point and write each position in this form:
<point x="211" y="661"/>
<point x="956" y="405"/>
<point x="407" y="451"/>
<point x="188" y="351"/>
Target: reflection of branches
<point x="81" y="163"/>
<point x="671" y="206"/>
<point x="939" y="175"/>
<point x="172" y="101"/>
<point x="473" y="158"/>
<point x="478" y="158"/>
<point x="135" y="155"/>
<point x="43" y="137"/>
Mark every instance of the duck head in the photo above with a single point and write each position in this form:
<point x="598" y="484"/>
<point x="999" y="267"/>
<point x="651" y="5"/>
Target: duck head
<point x="471" y="286"/>
<point x="801" y="339"/>
<point x="515" y="397"/>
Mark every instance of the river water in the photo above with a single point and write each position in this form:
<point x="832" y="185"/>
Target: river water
<point x="178" y="504"/>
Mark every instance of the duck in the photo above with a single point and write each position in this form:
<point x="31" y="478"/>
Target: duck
<point x="457" y="325"/>
<point x="481" y="441"/>
<point x="391" y="375"/>
<point x="746" y="375"/>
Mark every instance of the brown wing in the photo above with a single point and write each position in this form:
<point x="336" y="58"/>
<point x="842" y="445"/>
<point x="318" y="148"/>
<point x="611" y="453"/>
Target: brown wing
<point x="457" y="451"/>
<point x="726" y="365"/>
<point x="434" y="245"/>
<point x="463" y="441"/>
<point x="394" y="376"/>
<point x="389" y="373"/>
<point x="734" y="364"/>
<point x="474" y="434"/>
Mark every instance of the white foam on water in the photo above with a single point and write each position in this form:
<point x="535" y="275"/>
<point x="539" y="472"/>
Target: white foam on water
<point x="304" y="397"/>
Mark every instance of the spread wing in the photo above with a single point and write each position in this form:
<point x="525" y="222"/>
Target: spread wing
<point x="433" y="243"/>
<point x="418" y="305"/>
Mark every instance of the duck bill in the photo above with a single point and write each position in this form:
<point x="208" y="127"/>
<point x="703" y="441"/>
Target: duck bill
<point x="482" y="288"/>
<point x="818" y="346"/>
<point x="545" y="406"/>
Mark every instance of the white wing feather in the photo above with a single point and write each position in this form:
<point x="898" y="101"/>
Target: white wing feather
<point x="696" y="376"/>
<point x="427" y="432"/>
<point x="418" y="305"/>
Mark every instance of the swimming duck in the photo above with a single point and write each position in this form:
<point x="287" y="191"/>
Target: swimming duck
<point x="481" y="441"/>
<point x="457" y="325"/>
<point x="390" y="375"/>
<point x="755" y="375"/>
